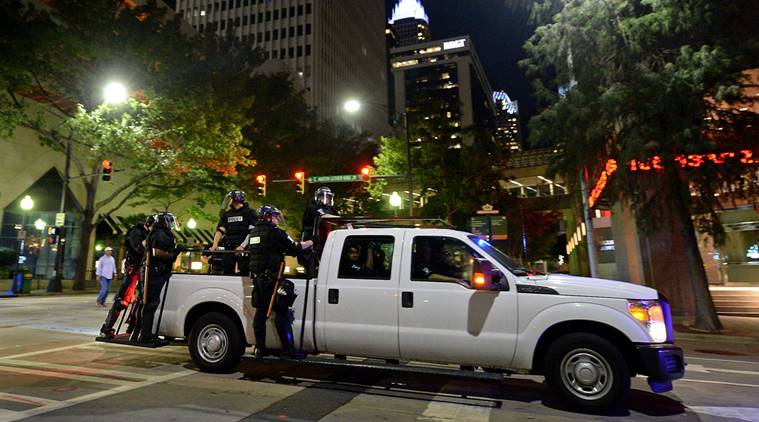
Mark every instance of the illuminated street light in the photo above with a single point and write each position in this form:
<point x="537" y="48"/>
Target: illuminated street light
<point x="191" y="224"/>
<point x="352" y="106"/>
<point x="40" y="224"/>
<point x="27" y="203"/>
<point x="115" y="93"/>
<point x="396" y="200"/>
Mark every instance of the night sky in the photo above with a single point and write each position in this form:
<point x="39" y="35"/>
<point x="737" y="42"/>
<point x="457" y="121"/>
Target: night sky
<point x="498" y="33"/>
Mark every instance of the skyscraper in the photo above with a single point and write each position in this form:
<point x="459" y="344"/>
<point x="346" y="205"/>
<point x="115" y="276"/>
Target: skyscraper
<point x="334" y="49"/>
<point x="410" y="23"/>
<point x="449" y="71"/>
<point x="508" y="124"/>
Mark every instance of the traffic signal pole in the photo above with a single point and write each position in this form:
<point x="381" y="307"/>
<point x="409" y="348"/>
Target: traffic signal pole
<point x="55" y="284"/>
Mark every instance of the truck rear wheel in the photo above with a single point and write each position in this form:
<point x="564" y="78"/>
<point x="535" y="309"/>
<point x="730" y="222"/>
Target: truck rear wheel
<point x="588" y="372"/>
<point x="216" y="343"/>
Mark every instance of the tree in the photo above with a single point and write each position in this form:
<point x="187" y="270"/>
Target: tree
<point x="182" y="127"/>
<point x="287" y="137"/>
<point x="651" y="80"/>
<point x="447" y="161"/>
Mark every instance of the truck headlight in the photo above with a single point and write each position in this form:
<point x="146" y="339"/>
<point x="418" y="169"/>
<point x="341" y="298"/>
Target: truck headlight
<point x="651" y="315"/>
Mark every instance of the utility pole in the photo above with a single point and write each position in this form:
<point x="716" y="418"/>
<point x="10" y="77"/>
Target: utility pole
<point x="409" y="174"/>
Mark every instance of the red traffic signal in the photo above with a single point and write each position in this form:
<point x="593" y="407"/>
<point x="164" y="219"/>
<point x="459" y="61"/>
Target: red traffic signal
<point x="261" y="180"/>
<point x="366" y="173"/>
<point x="300" y="179"/>
<point x="107" y="170"/>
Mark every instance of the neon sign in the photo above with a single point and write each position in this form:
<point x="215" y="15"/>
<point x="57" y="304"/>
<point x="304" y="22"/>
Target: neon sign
<point x="694" y="160"/>
<point x="609" y="169"/>
<point x="745" y="156"/>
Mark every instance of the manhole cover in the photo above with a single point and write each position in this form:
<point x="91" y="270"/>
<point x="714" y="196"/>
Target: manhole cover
<point x="720" y="352"/>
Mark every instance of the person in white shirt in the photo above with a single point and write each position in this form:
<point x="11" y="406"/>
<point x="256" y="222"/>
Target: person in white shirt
<point x="105" y="271"/>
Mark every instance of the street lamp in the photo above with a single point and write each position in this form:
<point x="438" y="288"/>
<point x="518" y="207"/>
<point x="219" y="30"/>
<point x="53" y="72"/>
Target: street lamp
<point x="26" y="203"/>
<point x="40" y="224"/>
<point x="191" y="224"/>
<point x="353" y="106"/>
<point x="115" y="93"/>
<point x="395" y="202"/>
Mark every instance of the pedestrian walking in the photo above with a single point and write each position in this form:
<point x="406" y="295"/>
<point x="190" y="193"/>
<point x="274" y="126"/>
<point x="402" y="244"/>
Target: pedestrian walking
<point x="105" y="272"/>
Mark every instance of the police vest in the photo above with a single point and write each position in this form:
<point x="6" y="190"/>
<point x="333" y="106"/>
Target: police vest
<point x="237" y="224"/>
<point x="263" y="253"/>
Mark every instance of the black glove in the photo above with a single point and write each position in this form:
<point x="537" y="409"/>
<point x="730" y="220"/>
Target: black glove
<point x="180" y="248"/>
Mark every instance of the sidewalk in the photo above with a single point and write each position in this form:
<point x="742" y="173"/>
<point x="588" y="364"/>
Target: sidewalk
<point x="39" y="288"/>
<point x="736" y="329"/>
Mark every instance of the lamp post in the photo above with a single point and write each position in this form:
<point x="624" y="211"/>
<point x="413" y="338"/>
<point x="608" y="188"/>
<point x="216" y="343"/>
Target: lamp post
<point x="353" y="106"/>
<point x="113" y="93"/>
<point x="26" y="204"/>
<point x="396" y="201"/>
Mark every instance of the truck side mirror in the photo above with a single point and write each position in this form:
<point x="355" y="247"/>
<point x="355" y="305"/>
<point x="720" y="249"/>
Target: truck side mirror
<point x="484" y="275"/>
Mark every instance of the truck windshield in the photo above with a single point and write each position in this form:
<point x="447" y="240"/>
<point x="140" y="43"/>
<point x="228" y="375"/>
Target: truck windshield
<point x="501" y="257"/>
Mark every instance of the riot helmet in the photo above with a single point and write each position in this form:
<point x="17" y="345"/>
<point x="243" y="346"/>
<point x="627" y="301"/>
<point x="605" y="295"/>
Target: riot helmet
<point x="235" y="196"/>
<point x="324" y="195"/>
<point x="167" y="220"/>
<point x="270" y="213"/>
<point x="150" y="221"/>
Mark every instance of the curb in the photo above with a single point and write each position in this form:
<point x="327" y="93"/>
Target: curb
<point x="715" y="338"/>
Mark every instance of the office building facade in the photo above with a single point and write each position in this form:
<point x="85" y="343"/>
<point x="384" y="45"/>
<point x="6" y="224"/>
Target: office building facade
<point x="508" y="124"/>
<point x="334" y="49"/>
<point x="450" y="71"/>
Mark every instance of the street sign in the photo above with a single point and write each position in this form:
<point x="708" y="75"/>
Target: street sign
<point x="487" y="209"/>
<point x="21" y="235"/>
<point x="340" y="178"/>
<point x="490" y="227"/>
<point x="60" y="219"/>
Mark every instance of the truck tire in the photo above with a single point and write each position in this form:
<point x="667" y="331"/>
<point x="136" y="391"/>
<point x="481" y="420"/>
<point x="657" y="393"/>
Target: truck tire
<point x="587" y="372"/>
<point x="216" y="343"/>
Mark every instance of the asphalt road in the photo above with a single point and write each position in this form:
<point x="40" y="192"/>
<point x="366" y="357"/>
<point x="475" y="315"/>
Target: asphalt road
<point x="51" y="369"/>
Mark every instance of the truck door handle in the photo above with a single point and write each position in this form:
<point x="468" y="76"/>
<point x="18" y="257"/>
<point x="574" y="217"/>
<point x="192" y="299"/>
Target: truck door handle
<point x="333" y="296"/>
<point x="407" y="299"/>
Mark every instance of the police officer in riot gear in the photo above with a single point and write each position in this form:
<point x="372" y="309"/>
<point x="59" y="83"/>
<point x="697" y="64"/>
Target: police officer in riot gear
<point x="135" y="252"/>
<point x="323" y="205"/>
<point x="162" y="250"/>
<point x="234" y="225"/>
<point x="268" y="245"/>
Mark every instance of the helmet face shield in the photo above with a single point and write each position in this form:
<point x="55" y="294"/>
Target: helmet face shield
<point x="272" y="214"/>
<point x="235" y="196"/>
<point x="324" y="195"/>
<point x="167" y="220"/>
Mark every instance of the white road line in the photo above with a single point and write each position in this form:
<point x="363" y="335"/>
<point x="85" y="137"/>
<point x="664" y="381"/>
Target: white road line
<point x="750" y="414"/>
<point x="442" y="411"/>
<point x="703" y="369"/>
<point x="90" y="397"/>
<point x="687" y="358"/>
<point x="82" y="370"/>
<point x="737" y="384"/>
<point x="64" y="375"/>
<point x="20" y="398"/>
<point x="41" y="352"/>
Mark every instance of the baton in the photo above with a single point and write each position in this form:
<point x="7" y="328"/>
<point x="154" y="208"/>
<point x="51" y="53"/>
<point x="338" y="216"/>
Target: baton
<point x="276" y="286"/>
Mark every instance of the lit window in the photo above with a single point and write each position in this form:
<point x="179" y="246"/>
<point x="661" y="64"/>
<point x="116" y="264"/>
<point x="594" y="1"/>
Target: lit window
<point x="202" y="13"/>
<point x="448" y="114"/>
<point x="445" y="76"/>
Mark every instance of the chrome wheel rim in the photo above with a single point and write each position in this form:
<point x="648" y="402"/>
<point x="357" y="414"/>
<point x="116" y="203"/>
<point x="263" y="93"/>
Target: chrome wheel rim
<point x="586" y="374"/>
<point x="213" y="343"/>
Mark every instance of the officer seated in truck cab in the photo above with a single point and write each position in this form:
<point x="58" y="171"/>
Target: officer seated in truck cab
<point x="430" y="261"/>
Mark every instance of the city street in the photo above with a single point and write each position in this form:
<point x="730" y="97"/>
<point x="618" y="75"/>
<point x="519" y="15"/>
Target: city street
<point x="52" y="369"/>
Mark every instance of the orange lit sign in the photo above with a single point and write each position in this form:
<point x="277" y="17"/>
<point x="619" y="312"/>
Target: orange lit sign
<point x="610" y="168"/>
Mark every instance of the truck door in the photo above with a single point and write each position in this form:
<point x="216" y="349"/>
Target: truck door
<point x="361" y="313"/>
<point x="442" y="317"/>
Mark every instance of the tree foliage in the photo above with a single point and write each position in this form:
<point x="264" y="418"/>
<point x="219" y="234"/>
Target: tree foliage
<point x="646" y="79"/>
<point x="180" y="130"/>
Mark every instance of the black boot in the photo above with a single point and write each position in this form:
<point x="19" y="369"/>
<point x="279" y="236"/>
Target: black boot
<point x="258" y="352"/>
<point x="285" y="332"/>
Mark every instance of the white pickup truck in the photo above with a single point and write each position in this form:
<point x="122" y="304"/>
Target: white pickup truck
<point x="446" y="296"/>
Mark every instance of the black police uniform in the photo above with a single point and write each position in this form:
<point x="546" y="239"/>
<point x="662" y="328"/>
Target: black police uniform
<point x="313" y="211"/>
<point x="135" y="252"/>
<point x="268" y="246"/>
<point x="237" y="224"/>
<point x="159" y="273"/>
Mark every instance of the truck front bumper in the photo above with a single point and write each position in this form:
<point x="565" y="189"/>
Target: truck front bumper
<point x="662" y="363"/>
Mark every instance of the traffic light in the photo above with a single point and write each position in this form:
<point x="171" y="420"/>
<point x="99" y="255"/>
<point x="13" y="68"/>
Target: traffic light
<point x="300" y="182"/>
<point x="107" y="170"/>
<point x="366" y="174"/>
<point x="261" y="180"/>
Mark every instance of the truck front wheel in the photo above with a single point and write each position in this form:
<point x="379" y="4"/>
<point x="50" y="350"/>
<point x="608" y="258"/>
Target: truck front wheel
<point x="588" y="372"/>
<point x="216" y="343"/>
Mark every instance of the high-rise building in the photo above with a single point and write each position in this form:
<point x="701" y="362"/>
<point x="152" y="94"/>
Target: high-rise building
<point x="410" y="23"/>
<point x="334" y="49"/>
<point x="449" y="71"/>
<point x="508" y="124"/>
